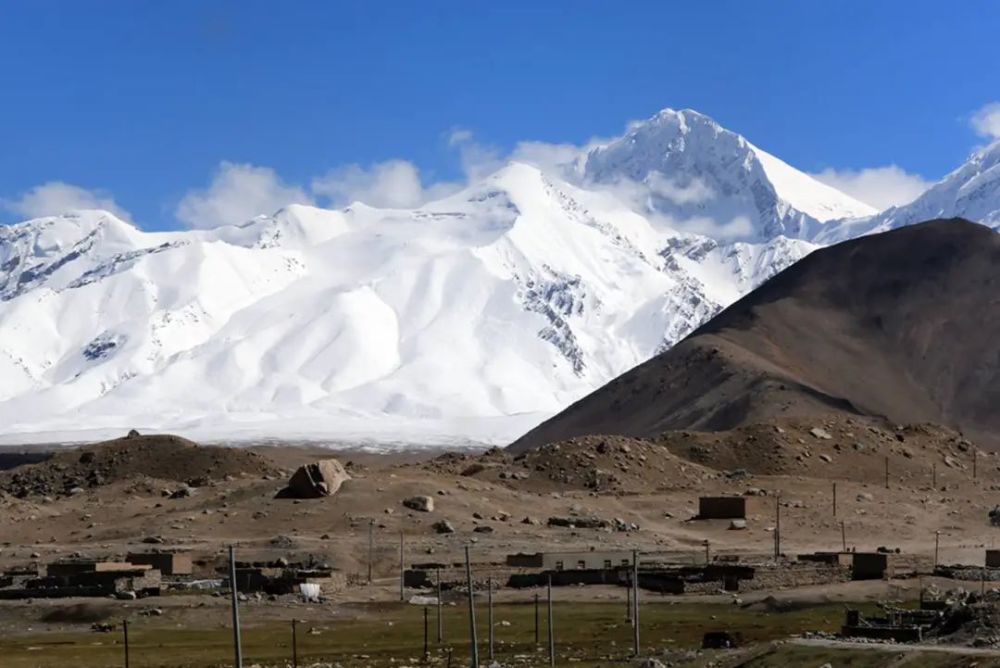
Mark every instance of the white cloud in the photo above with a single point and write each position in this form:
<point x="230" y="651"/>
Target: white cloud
<point x="458" y="136"/>
<point x="546" y="156"/>
<point x="477" y="160"/>
<point x="238" y="192"/>
<point x="56" y="197"/>
<point x="880" y="187"/>
<point x="986" y="120"/>
<point x="695" y="192"/>
<point x="393" y="184"/>
<point x="738" y="227"/>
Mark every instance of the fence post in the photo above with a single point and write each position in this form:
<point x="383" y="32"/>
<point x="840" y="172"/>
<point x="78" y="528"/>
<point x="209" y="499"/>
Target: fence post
<point x="628" y="597"/>
<point x="427" y="652"/>
<point x="295" y="645"/>
<point x="635" y="602"/>
<point x="125" y="633"/>
<point x="371" y="547"/>
<point x="552" y="636"/>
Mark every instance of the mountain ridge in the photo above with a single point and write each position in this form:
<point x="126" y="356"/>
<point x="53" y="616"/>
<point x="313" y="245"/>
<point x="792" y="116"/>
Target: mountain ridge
<point x="497" y="304"/>
<point x="865" y="327"/>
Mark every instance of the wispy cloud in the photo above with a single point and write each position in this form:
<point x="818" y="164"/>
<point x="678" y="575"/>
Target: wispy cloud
<point x="56" y="197"/>
<point x="880" y="187"/>
<point x="986" y="120"/>
<point x="237" y="193"/>
<point x="392" y="184"/>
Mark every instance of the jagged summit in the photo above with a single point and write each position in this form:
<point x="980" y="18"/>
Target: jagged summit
<point x="687" y="167"/>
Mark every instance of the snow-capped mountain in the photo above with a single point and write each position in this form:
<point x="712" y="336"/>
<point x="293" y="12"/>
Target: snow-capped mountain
<point x="684" y="168"/>
<point x="469" y="318"/>
<point x="972" y="192"/>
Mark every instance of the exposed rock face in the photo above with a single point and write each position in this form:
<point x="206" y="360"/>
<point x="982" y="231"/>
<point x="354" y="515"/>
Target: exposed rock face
<point x="322" y="478"/>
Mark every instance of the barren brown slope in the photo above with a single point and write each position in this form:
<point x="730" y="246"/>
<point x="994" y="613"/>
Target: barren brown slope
<point x="904" y="325"/>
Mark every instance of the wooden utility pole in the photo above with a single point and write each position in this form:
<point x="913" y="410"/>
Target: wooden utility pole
<point x="489" y="618"/>
<point x="472" y="611"/>
<point x="834" y="499"/>
<point x="937" y="544"/>
<point x="537" y="637"/>
<point x="934" y="475"/>
<point x="635" y="603"/>
<point x="440" y="630"/>
<point x="234" y="600"/>
<point x="402" y="597"/>
<point x="552" y="636"/>
<point x="295" y="645"/>
<point x="843" y="535"/>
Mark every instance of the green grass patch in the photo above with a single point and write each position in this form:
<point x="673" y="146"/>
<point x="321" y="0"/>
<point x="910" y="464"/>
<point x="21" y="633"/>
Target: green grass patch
<point x="590" y="634"/>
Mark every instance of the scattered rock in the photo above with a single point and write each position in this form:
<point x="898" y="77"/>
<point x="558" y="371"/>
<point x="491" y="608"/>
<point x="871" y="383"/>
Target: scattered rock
<point x="738" y="524"/>
<point x="821" y="433"/>
<point x="444" y="526"/>
<point x="473" y="469"/>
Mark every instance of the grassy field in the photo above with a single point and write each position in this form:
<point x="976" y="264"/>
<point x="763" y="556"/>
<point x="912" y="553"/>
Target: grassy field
<point x="587" y="634"/>
<point x="788" y="656"/>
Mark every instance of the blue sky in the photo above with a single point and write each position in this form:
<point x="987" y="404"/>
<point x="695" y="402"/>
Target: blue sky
<point x="143" y="104"/>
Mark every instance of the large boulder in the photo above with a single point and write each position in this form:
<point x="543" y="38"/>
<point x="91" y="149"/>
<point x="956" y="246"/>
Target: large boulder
<point x="424" y="504"/>
<point x="322" y="478"/>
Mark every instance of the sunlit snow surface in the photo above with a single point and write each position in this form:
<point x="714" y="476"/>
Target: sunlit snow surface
<point x="464" y="322"/>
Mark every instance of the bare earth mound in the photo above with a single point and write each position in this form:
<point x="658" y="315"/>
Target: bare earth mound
<point x="902" y="325"/>
<point x="161" y="457"/>
<point x="599" y="464"/>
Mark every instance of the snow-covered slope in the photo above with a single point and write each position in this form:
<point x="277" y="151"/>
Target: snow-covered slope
<point x="472" y="317"/>
<point x="972" y="192"/>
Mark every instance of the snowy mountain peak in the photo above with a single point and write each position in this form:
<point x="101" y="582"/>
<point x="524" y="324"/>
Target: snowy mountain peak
<point x="472" y="316"/>
<point x="686" y="167"/>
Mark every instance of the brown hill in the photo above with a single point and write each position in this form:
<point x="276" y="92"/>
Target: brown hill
<point x="160" y="456"/>
<point x="903" y="325"/>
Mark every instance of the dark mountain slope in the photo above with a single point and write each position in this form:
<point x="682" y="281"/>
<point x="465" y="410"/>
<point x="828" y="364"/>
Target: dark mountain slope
<point x="903" y="325"/>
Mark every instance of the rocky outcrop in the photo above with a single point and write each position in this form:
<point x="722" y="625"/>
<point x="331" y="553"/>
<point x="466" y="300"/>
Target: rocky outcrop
<point x="312" y="481"/>
<point x="424" y="504"/>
